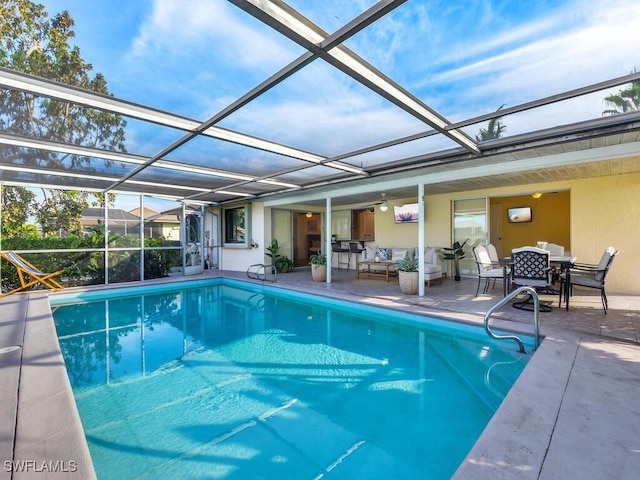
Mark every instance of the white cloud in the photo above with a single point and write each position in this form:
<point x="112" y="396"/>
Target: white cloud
<point x="582" y="43"/>
<point x="206" y="25"/>
<point x="595" y="47"/>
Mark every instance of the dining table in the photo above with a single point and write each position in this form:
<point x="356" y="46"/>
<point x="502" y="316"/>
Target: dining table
<point x="562" y="262"/>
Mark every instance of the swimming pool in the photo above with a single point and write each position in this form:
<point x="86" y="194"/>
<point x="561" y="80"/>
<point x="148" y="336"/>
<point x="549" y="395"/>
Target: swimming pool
<point x="221" y="379"/>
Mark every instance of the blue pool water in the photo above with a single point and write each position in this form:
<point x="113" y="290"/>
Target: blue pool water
<point x="227" y="380"/>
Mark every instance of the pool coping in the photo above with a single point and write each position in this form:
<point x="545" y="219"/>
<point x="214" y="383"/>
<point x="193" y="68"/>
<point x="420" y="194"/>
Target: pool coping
<point x="544" y="428"/>
<point x="38" y="408"/>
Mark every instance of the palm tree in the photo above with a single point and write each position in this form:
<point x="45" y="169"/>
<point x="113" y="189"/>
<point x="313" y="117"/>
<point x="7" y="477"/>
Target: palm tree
<point x="494" y="129"/>
<point x="626" y="100"/>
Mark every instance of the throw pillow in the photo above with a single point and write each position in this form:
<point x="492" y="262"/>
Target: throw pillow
<point x="370" y="252"/>
<point x="428" y="254"/>
<point x="397" y="254"/>
<point x="382" y="253"/>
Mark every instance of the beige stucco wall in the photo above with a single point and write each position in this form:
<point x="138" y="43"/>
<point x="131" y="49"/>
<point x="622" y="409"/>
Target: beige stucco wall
<point x="604" y="212"/>
<point x="239" y="258"/>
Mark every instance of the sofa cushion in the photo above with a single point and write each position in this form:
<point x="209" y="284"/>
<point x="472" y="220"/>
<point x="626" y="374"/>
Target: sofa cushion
<point x="431" y="268"/>
<point x="429" y="255"/>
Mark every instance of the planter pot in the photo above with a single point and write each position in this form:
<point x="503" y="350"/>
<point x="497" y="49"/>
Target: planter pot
<point x="456" y="278"/>
<point x="319" y="273"/>
<point x="408" y="282"/>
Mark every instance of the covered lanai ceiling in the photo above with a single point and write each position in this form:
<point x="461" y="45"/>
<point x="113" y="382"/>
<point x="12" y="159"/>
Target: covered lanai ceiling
<point x="261" y="99"/>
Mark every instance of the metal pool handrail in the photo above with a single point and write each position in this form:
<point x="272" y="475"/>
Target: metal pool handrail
<point x="536" y="318"/>
<point x="260" y="271"/>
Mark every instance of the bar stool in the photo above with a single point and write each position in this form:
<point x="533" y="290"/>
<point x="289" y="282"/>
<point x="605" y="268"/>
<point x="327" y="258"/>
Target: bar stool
<point x="337" y="247"/>
<point x="354" y="247"/>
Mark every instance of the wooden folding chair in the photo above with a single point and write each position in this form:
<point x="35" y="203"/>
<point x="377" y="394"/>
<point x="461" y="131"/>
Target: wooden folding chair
<point x="29" y="275"/>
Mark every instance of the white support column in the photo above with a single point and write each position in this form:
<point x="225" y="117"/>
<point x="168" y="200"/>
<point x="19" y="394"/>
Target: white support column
<point x="421" y="239"/>
<point x="183" y="236"/>
<point x="327" y="238"/>
<point x="1" y="187"/>
<point x="141" y="225"/>
<point x="106" y="238"/>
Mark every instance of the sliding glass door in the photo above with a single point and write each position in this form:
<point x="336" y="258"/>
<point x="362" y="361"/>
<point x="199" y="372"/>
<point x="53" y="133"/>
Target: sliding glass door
<point x="470" y="224"/>
<point x="282" y="231"/>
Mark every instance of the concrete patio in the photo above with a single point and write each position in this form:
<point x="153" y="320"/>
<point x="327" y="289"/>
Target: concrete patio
<point x="572" y="414"/>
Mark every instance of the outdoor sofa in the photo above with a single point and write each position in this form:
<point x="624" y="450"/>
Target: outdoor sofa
<point x="435" y="266"/>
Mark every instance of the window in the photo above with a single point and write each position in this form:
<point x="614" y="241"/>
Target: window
<point x="236" y="221"/>
<point x="341" y="224"/>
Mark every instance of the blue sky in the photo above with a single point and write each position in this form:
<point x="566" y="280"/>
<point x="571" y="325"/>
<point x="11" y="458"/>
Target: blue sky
<point x="196" y="57"/>
<point x="463" y="58"/>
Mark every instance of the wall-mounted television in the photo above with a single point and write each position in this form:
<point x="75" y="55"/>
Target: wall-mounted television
<point x="406" y="213"/>
<point x="519" y="215"/>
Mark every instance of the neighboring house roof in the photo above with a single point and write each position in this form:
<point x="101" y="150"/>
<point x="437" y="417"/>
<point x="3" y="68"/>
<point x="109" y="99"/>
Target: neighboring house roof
<point x="157" y="217"/>
<point x="115" y="214"/>
<point x="146" y="211"/>
<point x="93" y="214"/>
<point x="162" y="218"/>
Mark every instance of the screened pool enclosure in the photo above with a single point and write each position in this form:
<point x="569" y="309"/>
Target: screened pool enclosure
<point x="224" y="104"/>
<point x="117" y="243"/>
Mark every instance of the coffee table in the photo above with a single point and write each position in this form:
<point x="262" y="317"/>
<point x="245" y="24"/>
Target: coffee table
<point x="380" y="271"/>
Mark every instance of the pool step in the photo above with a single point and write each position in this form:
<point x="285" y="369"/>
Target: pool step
<point x="486" y="385"/>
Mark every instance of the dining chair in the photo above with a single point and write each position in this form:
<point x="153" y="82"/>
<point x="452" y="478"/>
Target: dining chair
<point x="589" y="276"/>
<point x="487" y="270"/>
<point x="531" y="267"/>
<point x="493" y="254"/>
<point x="555" y="249"/>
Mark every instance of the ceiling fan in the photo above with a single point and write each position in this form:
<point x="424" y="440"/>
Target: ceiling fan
<point x="383" y="203"/>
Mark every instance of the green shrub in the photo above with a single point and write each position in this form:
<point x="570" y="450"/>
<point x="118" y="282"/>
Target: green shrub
<point x="87" y="268"/>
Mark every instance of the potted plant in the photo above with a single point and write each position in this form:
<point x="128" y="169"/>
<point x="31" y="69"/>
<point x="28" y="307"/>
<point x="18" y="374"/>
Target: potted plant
<point x="408" y="277"/>
<point x="273" y="252"/>
<point x="284" y="264"/>
<point x="455" y="253"/>
<point x="318" y="263"/>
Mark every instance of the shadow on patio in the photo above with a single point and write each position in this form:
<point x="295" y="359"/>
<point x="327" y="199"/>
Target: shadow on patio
<point x="448" y="298"/>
